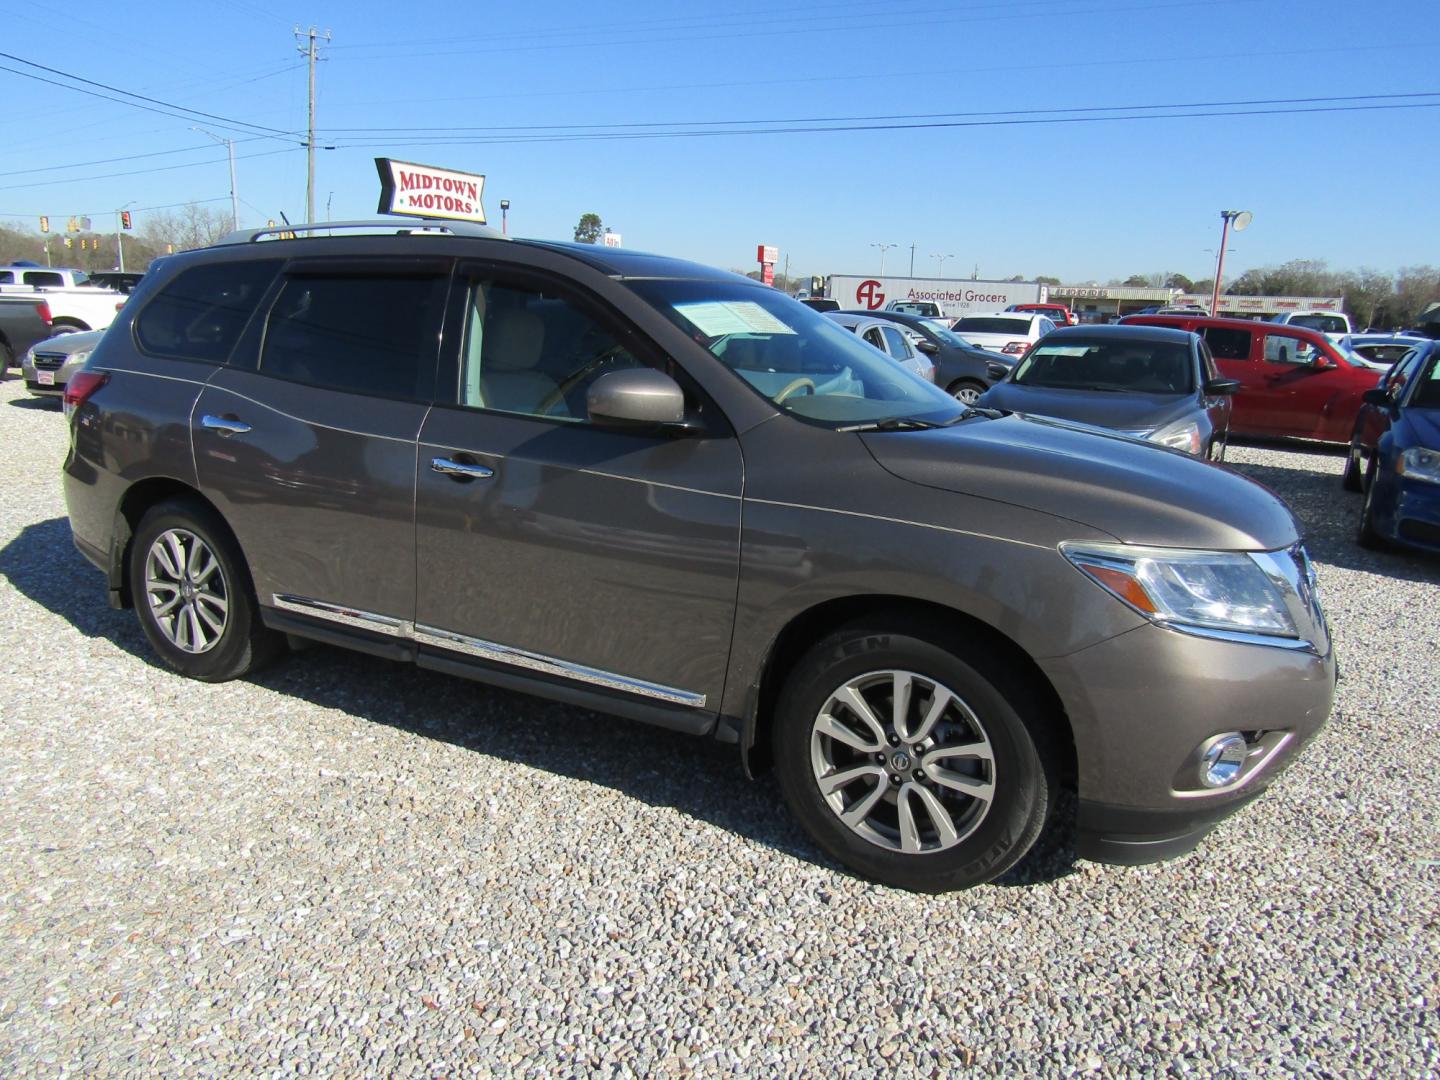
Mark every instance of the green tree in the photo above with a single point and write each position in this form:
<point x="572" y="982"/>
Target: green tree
<point x="1046" y="279"/>
<point x="589" y="230"/>
<point x="1137" y="281"/>
<point x="1178" y="281"/>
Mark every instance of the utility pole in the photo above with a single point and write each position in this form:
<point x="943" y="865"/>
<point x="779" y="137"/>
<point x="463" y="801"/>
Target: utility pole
<point x="912" y="260"/>
<point x="305" y="43"/>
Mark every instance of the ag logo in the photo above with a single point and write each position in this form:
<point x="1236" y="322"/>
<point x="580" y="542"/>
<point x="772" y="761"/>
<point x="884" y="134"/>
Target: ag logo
<point x="869" y="294"/>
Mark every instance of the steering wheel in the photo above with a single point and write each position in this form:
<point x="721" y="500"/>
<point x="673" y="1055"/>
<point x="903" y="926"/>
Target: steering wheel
<point x="799" y="384"/>
<point x="569" y="382"/>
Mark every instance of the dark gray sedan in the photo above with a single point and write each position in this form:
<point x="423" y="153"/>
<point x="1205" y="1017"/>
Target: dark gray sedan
<point x="1147" y="382"/>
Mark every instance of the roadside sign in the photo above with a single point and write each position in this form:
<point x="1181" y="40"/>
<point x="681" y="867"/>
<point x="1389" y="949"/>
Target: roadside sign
<point x="430" y="191"/>
<point x="767" y="253"/>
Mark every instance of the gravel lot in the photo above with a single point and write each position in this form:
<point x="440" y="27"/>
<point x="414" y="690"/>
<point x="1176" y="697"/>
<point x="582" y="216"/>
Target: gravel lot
<point x="346" y="866"/>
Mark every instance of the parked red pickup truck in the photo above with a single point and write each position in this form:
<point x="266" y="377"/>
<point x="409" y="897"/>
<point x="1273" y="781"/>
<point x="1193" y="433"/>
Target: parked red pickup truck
<point x="1294" y="382"/>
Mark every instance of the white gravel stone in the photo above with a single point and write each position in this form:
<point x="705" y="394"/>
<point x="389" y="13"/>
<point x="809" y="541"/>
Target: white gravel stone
<point x="349" y="867"/>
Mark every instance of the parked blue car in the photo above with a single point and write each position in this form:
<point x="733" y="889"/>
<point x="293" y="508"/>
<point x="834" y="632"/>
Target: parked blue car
<point x="1402" y="479"/>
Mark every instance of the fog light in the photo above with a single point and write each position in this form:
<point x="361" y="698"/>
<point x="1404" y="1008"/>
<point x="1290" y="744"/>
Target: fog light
<point x="1223" y="759"/>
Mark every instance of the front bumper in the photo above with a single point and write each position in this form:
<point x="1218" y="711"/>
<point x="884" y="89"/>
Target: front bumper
<point x="1415" y="518"/>
<point x="1139" y="706"/>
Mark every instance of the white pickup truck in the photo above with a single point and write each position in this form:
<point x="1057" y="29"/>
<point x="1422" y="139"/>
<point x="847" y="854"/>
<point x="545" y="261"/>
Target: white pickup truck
<point x="75" y="303"/>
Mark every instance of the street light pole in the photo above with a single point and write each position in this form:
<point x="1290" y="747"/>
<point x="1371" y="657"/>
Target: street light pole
<point x="1239" y="219"/>
<point x="940" y="259"/>
<point x="234" y="195"/>
<point x="883" y="249"/>
<point x="505" y="217"/>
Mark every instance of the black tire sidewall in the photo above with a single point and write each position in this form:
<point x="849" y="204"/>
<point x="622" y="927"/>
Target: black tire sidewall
<point x="1024" y="782"/>
<point x="235" y="653"/>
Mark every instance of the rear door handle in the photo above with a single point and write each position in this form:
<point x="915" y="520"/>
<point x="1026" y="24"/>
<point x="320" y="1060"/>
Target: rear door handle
<point x="460" y="470"/>
<point x="225" y="425"/>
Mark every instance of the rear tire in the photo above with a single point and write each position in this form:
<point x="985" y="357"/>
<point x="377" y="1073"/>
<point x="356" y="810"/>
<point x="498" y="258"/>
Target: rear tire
<point x="7" y="359"/>
<point x="193" y="595"/>
<point x="947" y="792"/>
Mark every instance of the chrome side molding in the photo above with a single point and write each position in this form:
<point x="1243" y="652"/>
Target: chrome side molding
<point x="484" y="650"/>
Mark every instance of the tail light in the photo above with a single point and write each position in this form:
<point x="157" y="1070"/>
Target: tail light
<point x="81" y="385"/>
<point x="43" y="310"/>
<point x="119" y="304"/>
<point x="1015" y="348"/>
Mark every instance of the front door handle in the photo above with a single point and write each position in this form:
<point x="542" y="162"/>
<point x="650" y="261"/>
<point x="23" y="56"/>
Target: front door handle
<point x="460" y="470"/>
<point x="225" y="425"/>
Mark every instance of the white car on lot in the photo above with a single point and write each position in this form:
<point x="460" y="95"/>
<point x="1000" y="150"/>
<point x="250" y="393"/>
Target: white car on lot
<point x="1335" y="325"/>
<point x="1008" y="332"/>
<point x="891" y="339"/>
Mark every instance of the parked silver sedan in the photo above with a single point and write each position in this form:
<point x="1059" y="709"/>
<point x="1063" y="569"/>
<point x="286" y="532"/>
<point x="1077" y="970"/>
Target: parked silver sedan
<point x="891" y="339"/>
<point x="48" y="365"/>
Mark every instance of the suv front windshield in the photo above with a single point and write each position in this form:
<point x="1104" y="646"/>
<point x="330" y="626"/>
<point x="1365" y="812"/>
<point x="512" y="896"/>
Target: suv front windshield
<point x="804" y="363"/>
<point x="1136" y="366"/>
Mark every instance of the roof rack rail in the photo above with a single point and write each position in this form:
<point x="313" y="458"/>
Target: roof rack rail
<point x="415" y="224"/>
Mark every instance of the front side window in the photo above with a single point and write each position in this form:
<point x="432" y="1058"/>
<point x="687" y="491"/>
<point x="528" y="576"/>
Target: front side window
<point x="805" y="364"/>
<point x="199" y="315"/>
<point x="1282" y="349"/>
<point x="1426" y="394"/>
<point x="535" y="351"/>
<point x="1135" y="366"/>
<point x="44" y="278"/>
<point x="374" y="335"/>
<point x="895" y="341"/>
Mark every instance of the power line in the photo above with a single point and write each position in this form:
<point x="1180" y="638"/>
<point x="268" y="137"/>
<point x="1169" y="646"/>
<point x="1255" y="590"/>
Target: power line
<point x="927" y="125"/>
<point x="127" y="157"/>
<point x="225" y="121"/>
<point x="142" y="172"/>
<point x="111" y="210"/>
<point x="618" y="128"/>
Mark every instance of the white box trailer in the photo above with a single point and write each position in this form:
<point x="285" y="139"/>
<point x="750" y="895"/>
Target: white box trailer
<point x="956" y="297"/>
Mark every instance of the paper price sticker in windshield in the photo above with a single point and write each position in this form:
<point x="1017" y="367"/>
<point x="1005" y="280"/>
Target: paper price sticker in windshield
<point x="717" y="318"/>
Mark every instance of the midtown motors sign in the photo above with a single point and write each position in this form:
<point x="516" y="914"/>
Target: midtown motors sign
<point x="428" y="191"/>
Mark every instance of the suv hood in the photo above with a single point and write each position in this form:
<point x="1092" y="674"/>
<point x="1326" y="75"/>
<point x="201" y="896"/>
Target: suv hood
<point x="1135" y="491"/>
<point x="1125" y="411"/>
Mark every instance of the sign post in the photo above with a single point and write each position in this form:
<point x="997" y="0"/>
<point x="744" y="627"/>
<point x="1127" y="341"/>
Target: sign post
<point x="429" y="191"/>
<point x="767" y="255"/>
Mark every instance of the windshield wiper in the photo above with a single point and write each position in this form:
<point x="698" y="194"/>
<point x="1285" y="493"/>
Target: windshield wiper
<point x="915" y="423"/>
<point x="893" y="423"/>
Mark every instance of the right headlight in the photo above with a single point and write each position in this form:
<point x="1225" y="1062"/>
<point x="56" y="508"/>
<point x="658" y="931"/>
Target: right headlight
<point x="1226" y="591"/>
<point x="1417" y="463"/>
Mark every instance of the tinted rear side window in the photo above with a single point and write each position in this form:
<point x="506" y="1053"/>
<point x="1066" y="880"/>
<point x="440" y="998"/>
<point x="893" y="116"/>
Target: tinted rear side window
<point x="1227" y="344"/>
<point x="375" y="335"/>
<point x="199" y="315"/>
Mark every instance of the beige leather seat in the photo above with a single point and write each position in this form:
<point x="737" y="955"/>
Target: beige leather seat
<point x="514" y="341"/>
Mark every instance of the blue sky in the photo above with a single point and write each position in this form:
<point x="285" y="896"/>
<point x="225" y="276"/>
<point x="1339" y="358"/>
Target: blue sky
<point x="1083" y="201"/>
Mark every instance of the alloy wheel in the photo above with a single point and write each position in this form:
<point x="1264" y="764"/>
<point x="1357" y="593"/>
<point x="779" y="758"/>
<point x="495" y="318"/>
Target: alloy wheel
<point x="903" y="762"/>
<point x="186" y="590"/>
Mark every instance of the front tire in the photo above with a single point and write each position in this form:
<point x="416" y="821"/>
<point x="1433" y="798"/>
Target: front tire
<point x="907" y="764"/>
<point x="1351" y="478"/>
<point x="965" y="392"/>
<point x="1366" y="535"/>
<point x="193" y="595"/>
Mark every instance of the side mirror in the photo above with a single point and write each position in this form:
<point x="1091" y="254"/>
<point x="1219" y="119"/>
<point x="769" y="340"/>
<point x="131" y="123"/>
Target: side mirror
<point x="638" y="397"/>
<point x="1378" y="395"/>
<point x="927" y="347"/>
<point x="1222" y="386"/>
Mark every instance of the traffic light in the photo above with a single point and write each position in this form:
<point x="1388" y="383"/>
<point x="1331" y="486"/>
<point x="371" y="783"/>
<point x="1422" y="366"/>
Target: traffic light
<point x="68" y="241"/>
<point x="73" y="225"/>
<point x="125" y="219"/>
<point x="44" y="223"/>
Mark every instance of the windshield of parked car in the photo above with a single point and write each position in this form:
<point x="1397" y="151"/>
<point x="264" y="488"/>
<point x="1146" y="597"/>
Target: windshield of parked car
<point x="990" y="324"/>
<point x="1147" y="367"/>
<point x="1325" y="324"/>
<point x="806" y="364"/>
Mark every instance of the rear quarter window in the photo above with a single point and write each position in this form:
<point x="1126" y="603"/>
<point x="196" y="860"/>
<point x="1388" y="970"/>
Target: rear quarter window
<point x="201" y="314"/>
